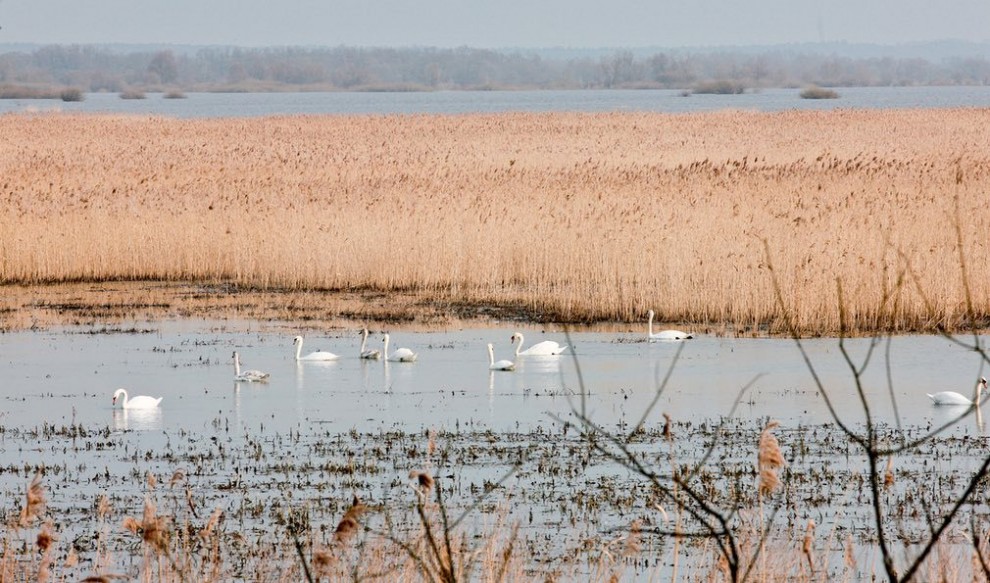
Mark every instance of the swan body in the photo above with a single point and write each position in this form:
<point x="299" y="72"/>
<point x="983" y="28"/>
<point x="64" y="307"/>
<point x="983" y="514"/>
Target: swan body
<point x="139" y="402"/>
<point x="501" y="364"/>
<point x="248" y="376"/>
<point x="319" y="355"/>
<point x="368" y="353"/>
<point x="400" y="354"/>
<point x="664" y="334"/>
<point x="545" y="348"/>
<point x="954" y="398"/>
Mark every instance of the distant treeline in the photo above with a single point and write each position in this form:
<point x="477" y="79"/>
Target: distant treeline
<point x="95" y="68"/>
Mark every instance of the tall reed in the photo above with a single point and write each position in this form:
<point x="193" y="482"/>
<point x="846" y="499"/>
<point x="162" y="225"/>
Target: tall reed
<point x="579" y="216"/>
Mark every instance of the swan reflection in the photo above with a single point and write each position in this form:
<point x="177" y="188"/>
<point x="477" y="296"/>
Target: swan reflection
<point x="540" y="365"/>
<point x="137" y="419"/>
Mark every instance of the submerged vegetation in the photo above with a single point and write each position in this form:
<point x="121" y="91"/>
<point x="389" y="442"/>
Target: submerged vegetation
<point x="473" y="505"/>
<point x="562" y="217"/>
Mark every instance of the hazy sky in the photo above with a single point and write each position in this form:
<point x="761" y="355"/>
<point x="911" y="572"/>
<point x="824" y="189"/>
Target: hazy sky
<point x="491" y="23"/>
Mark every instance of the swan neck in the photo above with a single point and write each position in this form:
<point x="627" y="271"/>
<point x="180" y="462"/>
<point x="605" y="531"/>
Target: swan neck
<point x="521" y="340"/>
<point x="491" y="355"/>
<point x="386" y="347"/>
<point x="237" y="365"/>
<point x="298" y="349"/>
<point x="123" y="402"/>
<point x="364" y="340"/>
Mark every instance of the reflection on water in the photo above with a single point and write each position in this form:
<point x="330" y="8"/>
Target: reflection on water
<point x="540" y="365"/>
<point x="138" y="419"/>
<point x="942" y="415"/>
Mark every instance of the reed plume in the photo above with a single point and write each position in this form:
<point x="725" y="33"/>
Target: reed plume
<point x="152" y="529"/>
<point x="177" y="476"/>
<point x="349" y="524"/>
<point x="807" y="546"/>
<point x="422" y="481"/>
<point x="34" y="501"/>
<point x="769" y="459"/>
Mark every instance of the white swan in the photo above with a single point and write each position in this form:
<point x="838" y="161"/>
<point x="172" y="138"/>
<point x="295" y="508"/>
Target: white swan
<point x="954" y="398"/>
<point x="370" y="354"/>
<point x="400" y="354"/>
<point x="545" y="348"/>
<point x="250" y="376"/>
<point x="139" y="402"/>
<point x="664" y="334"/>
<point x="319" y="355"/>
<point x="500" y="365"/>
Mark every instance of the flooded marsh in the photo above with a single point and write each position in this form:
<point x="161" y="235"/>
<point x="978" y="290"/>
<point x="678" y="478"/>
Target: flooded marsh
<point x="269" y="468"/>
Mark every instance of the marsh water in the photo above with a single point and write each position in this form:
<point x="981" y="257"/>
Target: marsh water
<point x="65" y="376"/>
<point x="317" y="433"/>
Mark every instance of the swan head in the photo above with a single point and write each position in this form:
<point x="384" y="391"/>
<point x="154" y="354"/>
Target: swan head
<point x="514" y="337"/>
<point x="650" y="314"/>
<point x="297" y="340"/>
<point x="117" y="394"/>
<point x="385" y="338"/>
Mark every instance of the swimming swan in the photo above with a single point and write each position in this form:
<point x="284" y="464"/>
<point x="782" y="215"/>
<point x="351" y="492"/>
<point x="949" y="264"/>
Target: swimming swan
<point x="664" y="334"/>
<point x="319" y="355"/>
<point x="140" y="402"/>
<point x="370" y="354"/>
<point x="500" y="365"/>
<point x="400" y="354"/>
<point x="954" y="398"/>
<point x="250" y="376"/>
<point x="545" y="348"/>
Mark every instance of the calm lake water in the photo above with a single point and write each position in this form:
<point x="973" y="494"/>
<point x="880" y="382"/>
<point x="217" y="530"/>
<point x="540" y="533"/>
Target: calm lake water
<point x="260" y="104"/>
<point x="56" y="377"/>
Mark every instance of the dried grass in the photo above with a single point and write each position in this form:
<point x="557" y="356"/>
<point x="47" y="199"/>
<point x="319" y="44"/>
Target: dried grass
<point x="580" y="217"/>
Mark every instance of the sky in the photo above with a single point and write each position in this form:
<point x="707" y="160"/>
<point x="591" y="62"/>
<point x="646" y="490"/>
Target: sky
<point x="497" y="24"/>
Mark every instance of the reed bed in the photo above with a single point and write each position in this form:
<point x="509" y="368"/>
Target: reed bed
<point x="575" y="217"/>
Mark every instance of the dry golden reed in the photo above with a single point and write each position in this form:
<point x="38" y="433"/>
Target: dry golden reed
<point x="34" y="501"/>
<point x="152" y="528"/>
<point x="349" y="524"/>
<point x="579" y="217"/>
<point x="423" y="481"/>
<point x="769" y="459"/>
<point x="808" y="545"/>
